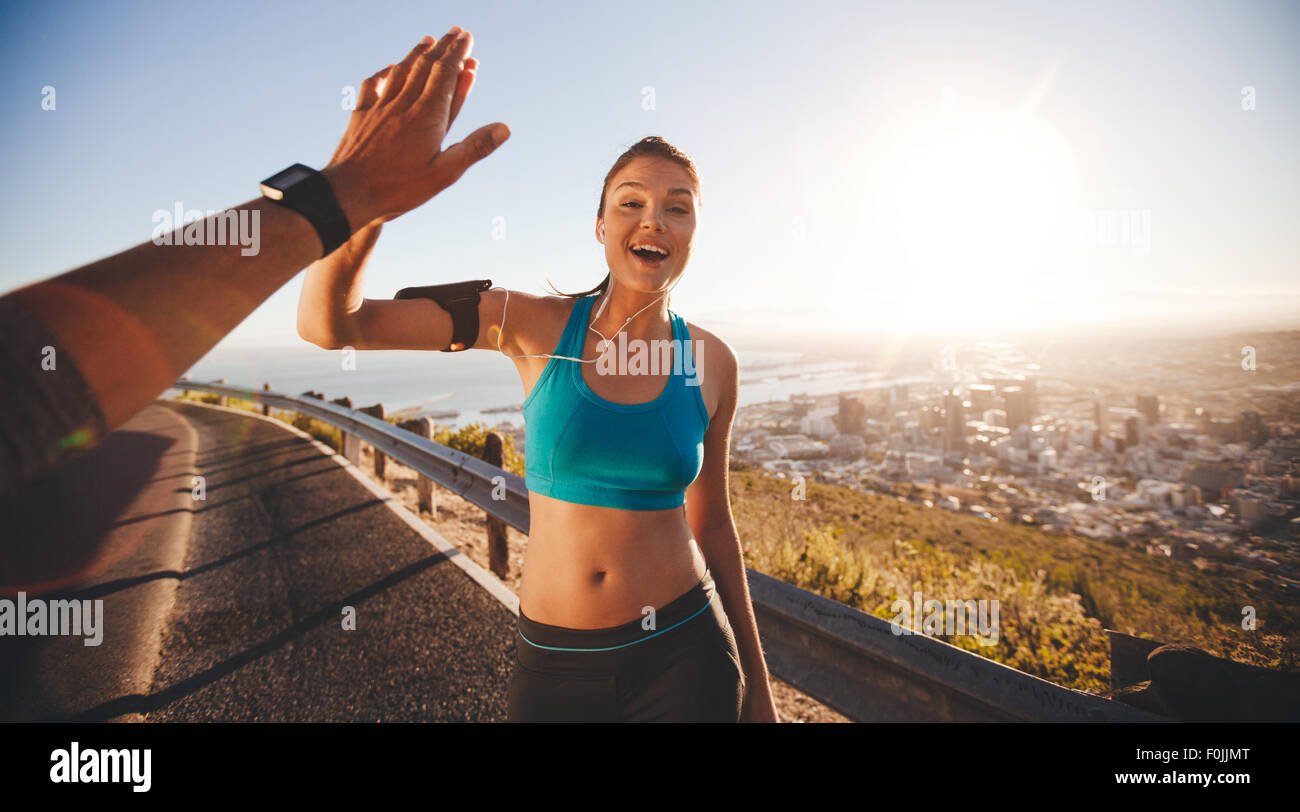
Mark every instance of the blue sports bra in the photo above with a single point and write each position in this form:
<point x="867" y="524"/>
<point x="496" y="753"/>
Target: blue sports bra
<point x="581" y="448"/>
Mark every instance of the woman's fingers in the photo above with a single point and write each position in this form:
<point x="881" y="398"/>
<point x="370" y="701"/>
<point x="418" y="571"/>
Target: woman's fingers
<point x="463" y="88"/>
<point x="397" y="79"/>
<point x="406" y="80"/>
<point x="444" y="79"/>
<point x="420" y="68"/>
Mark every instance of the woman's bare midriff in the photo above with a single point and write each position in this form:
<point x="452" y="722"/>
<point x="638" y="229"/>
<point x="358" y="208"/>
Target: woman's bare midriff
<point x="591" y="567"/>
<point x="588" y="567"/>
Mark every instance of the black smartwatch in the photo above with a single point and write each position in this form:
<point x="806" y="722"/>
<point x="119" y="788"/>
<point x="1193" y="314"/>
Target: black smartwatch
<point x="460" y="299"/>
<point x="307" y="192"/>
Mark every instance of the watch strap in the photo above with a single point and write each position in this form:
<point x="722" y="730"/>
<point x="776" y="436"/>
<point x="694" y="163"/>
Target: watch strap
<point x="313" y="198"/>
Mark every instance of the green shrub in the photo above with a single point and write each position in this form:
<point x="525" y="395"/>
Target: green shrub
<point x="472" y="440"/>
<point x="330" y="435"/>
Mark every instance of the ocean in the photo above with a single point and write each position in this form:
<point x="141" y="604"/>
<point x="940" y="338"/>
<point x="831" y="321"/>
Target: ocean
<point x="483" y="386"/>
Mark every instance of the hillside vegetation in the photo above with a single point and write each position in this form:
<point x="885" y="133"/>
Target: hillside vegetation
<point x="1056" y="593"/>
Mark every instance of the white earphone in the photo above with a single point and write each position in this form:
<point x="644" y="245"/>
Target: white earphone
<point x="607" y="341"/>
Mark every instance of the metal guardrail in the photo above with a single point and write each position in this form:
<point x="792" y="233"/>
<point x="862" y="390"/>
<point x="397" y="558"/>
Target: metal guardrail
<point x="845" y="658"/>
<point x="463" y="474"/>
<point x="853" y="662"/>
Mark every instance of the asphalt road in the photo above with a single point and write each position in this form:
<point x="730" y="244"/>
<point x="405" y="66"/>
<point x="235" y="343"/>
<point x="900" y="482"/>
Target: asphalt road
<point x="109" y="529"/>
<point x="286" y="539"/>
<point x="283" y="542"/>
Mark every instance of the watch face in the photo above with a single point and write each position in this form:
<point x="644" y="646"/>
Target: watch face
<point x="275" y="186"/>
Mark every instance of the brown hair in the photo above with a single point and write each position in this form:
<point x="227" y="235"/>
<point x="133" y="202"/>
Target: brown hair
<point x="652" y="146"/>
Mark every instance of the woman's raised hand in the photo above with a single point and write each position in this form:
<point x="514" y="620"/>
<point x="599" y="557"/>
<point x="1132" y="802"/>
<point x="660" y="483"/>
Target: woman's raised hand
<point x="390" y="159"/>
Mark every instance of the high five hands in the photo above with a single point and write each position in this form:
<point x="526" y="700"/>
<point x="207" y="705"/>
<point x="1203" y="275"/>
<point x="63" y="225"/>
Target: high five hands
<point x="391" y="159"/>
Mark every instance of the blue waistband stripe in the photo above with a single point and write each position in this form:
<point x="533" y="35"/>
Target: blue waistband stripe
<point x="624" y="645"/>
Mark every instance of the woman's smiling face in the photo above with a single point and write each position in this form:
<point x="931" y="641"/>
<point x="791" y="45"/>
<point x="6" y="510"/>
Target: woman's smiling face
<point x="650" y="202"/>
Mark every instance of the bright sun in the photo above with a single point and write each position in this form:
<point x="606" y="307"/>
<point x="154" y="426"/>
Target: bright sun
<point x="983" y="205"/>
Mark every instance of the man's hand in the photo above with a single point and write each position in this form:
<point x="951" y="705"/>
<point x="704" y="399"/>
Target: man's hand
<point x="391" y="158"/>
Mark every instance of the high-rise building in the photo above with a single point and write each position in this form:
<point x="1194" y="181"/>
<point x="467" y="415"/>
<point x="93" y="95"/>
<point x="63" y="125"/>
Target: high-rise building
<point x="1251" y="508"/>
<point x="1027" y="385"/>
<point x="1203" y="420"/>
<point x="930" y="418"/>
<point x="1213" y="478"/>
<point x="1149" y="406"/>
<point x="1018" y="408"/>
<point x="1186" y="495"/>
<point x="801" y="404"/>
<point x="1134" y="424"/>
<point x="895" y="465"/>
<point x="982" y="397"/>
<point x="818" y="423"/>
<point x="954" y="414"/>
<point x="853" y="414"/>
<point x="1252" y="428"/>
<point x="1101" y="417"/>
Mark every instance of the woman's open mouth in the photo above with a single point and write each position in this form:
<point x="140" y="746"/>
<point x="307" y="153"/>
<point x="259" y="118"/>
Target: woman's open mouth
<point x="647" y="257"/>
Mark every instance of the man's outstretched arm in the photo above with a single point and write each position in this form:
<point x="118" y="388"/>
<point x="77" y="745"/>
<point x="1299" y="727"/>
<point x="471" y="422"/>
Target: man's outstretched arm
<point x="124" y="328"/>
<point x="133" y="322"/>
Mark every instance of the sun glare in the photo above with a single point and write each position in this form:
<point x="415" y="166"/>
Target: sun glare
<point x="985" y="204"/>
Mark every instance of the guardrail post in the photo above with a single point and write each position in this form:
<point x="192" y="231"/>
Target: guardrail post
<point x="1128" y="658"/>
<point x="350" y="442"/>
<point x="266" y="407"/>
<point x="222" y="400"/>
<point x="426" y="496"/>
<point x="376" y="411"/>
<point x="498" y="550"/>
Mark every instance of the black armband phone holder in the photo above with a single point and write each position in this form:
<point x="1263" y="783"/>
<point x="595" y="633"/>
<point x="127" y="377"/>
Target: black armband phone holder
<point x="460" y="299"/>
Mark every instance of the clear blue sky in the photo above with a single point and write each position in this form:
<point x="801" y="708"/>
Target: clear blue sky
<point x="795" y="113"/>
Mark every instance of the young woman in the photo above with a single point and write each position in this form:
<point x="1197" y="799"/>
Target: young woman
<point x="633" y="599"/>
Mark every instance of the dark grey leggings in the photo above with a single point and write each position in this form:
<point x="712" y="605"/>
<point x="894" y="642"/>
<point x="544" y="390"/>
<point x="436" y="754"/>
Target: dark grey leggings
<point x="685" y="669"/>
